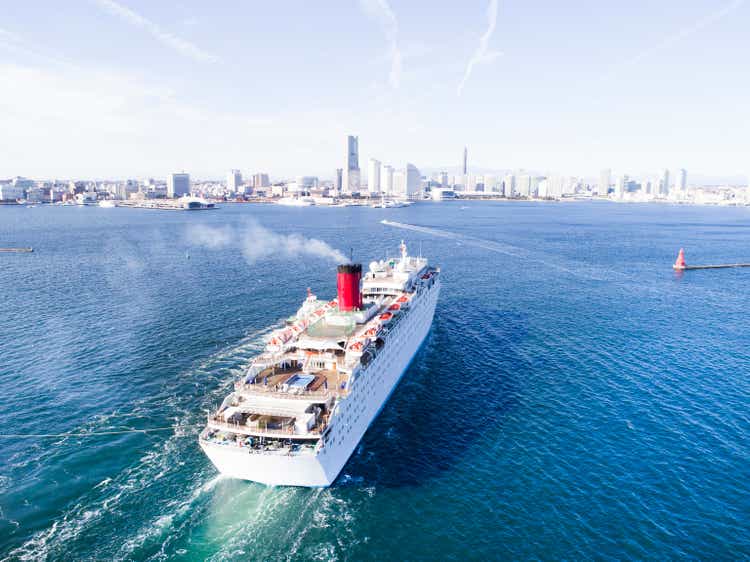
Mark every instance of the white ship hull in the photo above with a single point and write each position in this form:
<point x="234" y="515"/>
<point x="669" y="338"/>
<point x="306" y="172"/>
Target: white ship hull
<point x="352" y="419"/>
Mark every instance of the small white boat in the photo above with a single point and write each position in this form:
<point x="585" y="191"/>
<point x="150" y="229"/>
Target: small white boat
<point x="296" y="201"/>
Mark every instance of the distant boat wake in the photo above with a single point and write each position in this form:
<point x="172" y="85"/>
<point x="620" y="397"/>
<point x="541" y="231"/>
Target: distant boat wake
<point x="498" y="247"/>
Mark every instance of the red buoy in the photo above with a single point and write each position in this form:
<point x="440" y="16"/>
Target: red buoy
<point x="680" y="264"/>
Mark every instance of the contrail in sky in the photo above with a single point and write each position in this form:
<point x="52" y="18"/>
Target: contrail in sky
<point x="677" y="36"/>
<point x="166" y="38"/>
<point x="482" y="54"/>
<point x="381" y="11"/>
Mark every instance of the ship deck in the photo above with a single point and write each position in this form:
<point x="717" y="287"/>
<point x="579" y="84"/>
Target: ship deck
<point x="273" y="381"/>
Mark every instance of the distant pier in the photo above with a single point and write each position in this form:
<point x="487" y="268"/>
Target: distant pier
<point x="681" y="265"/>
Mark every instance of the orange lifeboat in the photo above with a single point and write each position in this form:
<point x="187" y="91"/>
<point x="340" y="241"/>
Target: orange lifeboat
<point x="386" y="316"/>
<point x="403" y="299"/>
<point x="356" y="346"/>
<point x="395" y="306"/>
<point x="371" y="332"/>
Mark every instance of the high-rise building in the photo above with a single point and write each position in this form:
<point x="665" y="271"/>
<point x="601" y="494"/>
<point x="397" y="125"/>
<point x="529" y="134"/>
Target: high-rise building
<point x="260" y="181"/>
<point x="399" y="183"/>
<point x="605" y="180"/>
<point x="664" y="182"/>
<point x="444" y="179"/>
<point x="178" y="185"/>
<point x="373" y="175"/>
<point x="386" y="179"/>
<point x="509" y="185"/>
<point x="413" y="181"/>
<point x="466" y="161"/>
<point x="234" y="181"/>
<point x="338" y="182"/>
<point x="681" y="184"/>
<point x="350" y="178"/>
<point x="620" y="186"/>
<point x="523" y="186"/>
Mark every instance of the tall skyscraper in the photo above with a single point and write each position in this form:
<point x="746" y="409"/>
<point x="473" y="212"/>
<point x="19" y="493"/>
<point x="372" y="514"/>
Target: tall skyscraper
<point x="178" y="185"/>
<point x="399" y="183"/>
<point x="338" y="182"/>
<point x="234" y="181"/>
<point x="466" y="161"/>
<point x="665" y="182"/>
<point x="620" y="186"/>
<point x="523" y="185"/>
<point x="386" y="179"/>
<point x="350" y="179"/>
<point x="605" y="180"/>
<point x="413" y="181"/>
<point x="373" y="175"/>
<point x="260" y="181"/>
<point x="681" y="184"/>
<point x="509" y="185"/>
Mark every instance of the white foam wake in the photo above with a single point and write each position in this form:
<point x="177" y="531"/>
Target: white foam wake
<point x="583" y="272"/>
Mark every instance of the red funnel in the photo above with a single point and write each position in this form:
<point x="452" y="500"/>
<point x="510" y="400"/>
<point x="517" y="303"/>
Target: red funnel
<point x="680" y="262"/>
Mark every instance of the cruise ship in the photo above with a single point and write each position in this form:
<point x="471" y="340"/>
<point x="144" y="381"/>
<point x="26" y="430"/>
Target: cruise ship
<point x="302" y="406"/>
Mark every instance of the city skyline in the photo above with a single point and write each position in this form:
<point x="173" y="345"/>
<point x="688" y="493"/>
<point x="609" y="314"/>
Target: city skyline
<point x="105" y="89"/>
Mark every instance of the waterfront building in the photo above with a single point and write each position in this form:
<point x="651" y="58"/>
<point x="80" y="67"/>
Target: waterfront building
<point x="399" y="183"/>
<point x="260" y="181"/>
<point x="413" y="181"/>
<point x="543" y="189"/>
<point x="373" y="175"/>
<point x="351" y="174"/>
<point x="338" y="182"/>
<point x="11" y="192"/>
<point x="234" y="181"/>
<point x="178" y="185"/>
<point x="605" y="180"/>
<point x="681" y="184"/>
<point x="509" y="185"/>
<point x="523" y="185"/>
<point x="466" y="162"/>
<point x="664" y="184"/>
<point x="490" y="183"/>
<point x="620" y="186"/>
<point x="386" y="179"/>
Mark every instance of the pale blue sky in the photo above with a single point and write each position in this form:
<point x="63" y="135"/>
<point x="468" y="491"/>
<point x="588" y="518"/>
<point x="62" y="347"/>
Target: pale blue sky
<point x="129" y="88"/>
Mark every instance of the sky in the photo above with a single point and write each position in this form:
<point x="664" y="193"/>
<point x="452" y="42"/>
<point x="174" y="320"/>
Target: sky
<point x="135" y="88"/>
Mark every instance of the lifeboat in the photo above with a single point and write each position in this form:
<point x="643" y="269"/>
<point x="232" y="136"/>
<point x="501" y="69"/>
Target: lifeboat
<point x="394" y="306"/>
<point x="386" y="316"/>
<point x="320" y="312"/>
<point x="403" y="299"/>
<point x="371" y="332"/>
<point x="356" y="346"/>
<point x="331" y="303"/>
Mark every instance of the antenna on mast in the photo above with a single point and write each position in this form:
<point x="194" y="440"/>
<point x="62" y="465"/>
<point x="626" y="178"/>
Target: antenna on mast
<point x="351" y="255"/>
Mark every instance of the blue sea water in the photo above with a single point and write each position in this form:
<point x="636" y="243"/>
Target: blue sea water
<point x="575" y="399"/>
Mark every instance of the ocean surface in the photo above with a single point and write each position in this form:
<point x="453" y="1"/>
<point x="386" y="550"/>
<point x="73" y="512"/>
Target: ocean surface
<point x="575" y="399"/>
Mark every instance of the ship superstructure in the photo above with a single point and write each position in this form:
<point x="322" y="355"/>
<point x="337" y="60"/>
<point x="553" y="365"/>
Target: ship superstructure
<point x="304" y="403"/>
